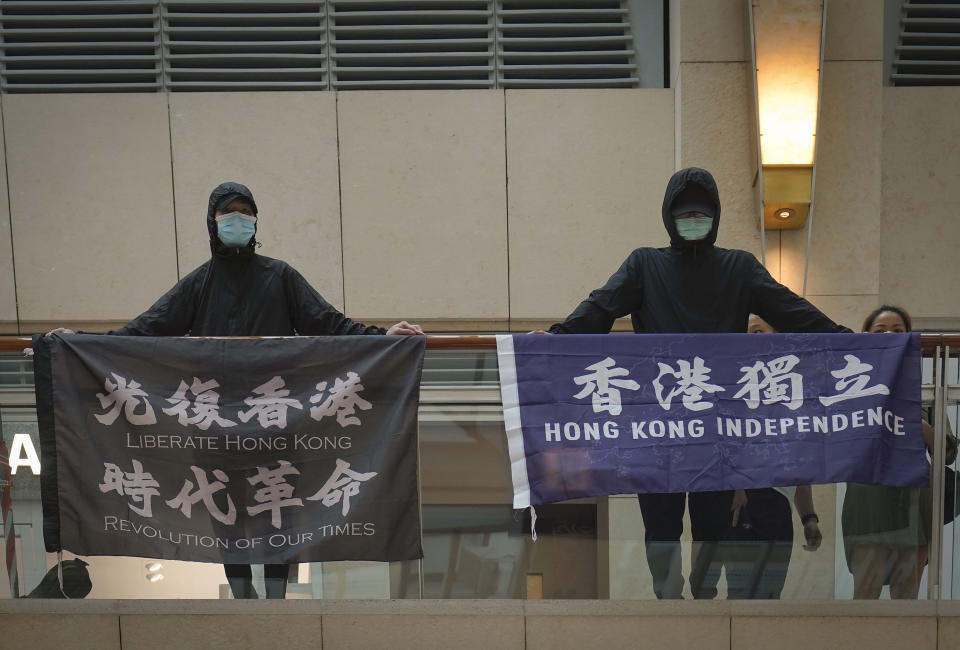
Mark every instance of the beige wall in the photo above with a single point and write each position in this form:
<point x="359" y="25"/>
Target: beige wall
<point x="8" y="291"/>
<point x="476" y="210"/>
<point x="921" y="231"/>
<point x="90" y="202"/>
<point x="587" y="172"/>
<point x="424" y="204"/>
<point x="462" y="208"/>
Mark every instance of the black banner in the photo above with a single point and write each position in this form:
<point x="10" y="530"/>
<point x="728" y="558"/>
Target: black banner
<point x="230" y="450"/>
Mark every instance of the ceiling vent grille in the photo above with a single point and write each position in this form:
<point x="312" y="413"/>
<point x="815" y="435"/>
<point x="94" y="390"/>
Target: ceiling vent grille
<point x="222" y="45"/>
<point x="244" y="45"/>
<point x="928" y="48"/>
<point x="79" y="46"/>
<point x="399" y="44"/>
<point x="584" y="43"/>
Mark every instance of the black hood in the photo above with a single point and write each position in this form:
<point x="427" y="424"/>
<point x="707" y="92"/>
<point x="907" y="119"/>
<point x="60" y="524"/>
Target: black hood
<point x="678" y="182"/>
<point x="221" y="196"/>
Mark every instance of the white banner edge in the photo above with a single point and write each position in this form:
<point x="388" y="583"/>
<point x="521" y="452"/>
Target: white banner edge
<point x="510" y="397"/>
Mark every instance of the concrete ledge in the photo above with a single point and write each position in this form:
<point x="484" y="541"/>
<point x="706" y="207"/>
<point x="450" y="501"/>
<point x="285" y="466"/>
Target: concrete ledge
<point x="477" y="624"/>
<point x="599" y="608"/>
<point x="39" y="631"/>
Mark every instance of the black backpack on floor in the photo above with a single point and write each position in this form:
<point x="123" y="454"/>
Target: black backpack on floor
<point x="76" y="582"/>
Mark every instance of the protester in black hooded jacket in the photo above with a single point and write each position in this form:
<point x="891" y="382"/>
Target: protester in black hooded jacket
<point x="240" y="293"/>
<point x="690" y="286"/>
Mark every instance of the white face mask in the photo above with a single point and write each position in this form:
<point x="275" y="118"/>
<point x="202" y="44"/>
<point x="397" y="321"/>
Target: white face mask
<point x="235" y="228"/>
<point x="694" y="227"/>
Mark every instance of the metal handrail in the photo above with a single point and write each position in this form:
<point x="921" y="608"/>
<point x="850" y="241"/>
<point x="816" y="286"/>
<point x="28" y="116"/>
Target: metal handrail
<point x="434" y="342"/>
<point x="928" y="342"/>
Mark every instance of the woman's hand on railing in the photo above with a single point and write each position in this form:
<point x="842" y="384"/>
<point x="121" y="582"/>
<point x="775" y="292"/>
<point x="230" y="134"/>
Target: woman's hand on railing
<point x="403" y="327"/>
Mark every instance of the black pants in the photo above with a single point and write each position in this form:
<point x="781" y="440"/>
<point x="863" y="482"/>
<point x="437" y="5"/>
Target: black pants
<point x="240" y="578"/>
<point x="663" y="523"/>
<point x="756" y="553"/>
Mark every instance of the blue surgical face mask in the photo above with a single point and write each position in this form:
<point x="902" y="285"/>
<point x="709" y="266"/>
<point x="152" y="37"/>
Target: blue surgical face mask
<point x="235" y="229"/>
<point x="694" y="228"/>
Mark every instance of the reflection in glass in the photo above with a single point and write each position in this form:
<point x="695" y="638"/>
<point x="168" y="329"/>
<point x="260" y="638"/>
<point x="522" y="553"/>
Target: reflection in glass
<point x="486" y="551"/>
<point x="29" y="561"/>
<point x="475" y="544"/>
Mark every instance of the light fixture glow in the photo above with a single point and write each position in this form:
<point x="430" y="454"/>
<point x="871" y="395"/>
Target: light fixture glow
<point x="787" y="50"/>
<point x="154" y="566"/>
<point x="788" y="78"/>
<point x="154" y="577"/>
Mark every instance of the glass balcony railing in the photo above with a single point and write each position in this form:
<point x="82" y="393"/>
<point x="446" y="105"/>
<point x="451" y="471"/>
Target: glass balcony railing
<point x="476" y="546"/>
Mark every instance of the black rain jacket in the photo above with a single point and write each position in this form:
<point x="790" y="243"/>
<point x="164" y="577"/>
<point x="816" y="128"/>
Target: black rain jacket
<point x="240" y="293"/>
<point x="693" y="287"/>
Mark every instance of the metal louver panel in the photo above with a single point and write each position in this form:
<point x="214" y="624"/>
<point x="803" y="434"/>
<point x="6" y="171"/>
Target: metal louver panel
<point x="401" y="44"/>
<point x="57" y="46"/>
<point x="222" y="45"/>
<point x="565" y="43"/>
<point x="928" y="51"/>
<point x="244" y="45"/>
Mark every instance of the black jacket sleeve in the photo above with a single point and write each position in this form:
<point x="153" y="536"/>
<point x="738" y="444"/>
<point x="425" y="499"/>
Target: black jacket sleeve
<point x="314" y="316"/>
<point x="618" y="297"/>
<point x="172" y="314"/>
<point x="782" y="308"/>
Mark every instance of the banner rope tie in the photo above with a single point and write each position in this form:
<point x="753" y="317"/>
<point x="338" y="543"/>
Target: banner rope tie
<point x="60" y="573"/>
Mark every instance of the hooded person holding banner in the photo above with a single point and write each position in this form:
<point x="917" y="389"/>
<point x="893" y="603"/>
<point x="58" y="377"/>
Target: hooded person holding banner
<point x="240" y="293"/>
<point x="690" y="286"/>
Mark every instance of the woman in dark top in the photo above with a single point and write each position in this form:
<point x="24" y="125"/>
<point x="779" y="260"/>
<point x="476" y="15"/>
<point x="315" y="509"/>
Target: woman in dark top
<point x="886" y="529"/>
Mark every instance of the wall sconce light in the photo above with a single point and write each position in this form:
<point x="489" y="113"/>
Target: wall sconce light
<point x="787" y="37"/>
<point x="153" y="571"/>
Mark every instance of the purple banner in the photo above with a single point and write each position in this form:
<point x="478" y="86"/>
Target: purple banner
<point x="590" y="415"/>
